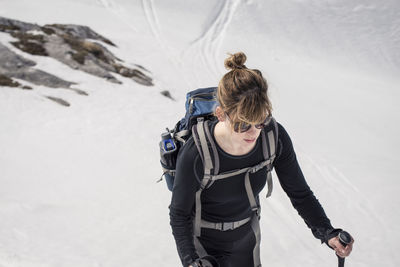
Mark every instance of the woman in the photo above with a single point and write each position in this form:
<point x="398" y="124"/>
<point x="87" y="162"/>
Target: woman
<point x="244" y="109"/>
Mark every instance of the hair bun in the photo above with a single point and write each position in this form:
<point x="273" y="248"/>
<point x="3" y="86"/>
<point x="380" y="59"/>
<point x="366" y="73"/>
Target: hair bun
<point x="236" y="61"/>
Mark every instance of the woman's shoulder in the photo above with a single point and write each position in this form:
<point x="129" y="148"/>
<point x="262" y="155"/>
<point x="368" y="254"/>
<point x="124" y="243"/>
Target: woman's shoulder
<point x="188" y="164"/>
<point x="280" y="130"/>
<point x="285" y="145"/>
<point x="282" y="133"/>
<point x="188" y="151"/>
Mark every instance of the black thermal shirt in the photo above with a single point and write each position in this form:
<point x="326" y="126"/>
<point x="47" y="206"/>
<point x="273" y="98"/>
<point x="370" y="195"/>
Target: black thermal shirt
<point x="226" y="200"/>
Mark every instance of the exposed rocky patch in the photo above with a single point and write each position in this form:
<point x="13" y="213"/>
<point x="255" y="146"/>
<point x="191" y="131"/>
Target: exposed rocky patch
<point x="6" y="81"/>
<point x="167" y="94"/>
<point x="30" y="43"/>
<point x="77" y="46"/>
<point x="13" y="65"/>
<point x="58" y="100"/>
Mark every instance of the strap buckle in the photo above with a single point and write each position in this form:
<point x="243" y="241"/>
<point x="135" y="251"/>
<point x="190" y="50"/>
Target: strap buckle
<point x="257" y="211"/>
<point x="257" y="168"/>
<point x="227" y="226"/>
<point x="207" y="181"/>
<point x="269" y="167"/>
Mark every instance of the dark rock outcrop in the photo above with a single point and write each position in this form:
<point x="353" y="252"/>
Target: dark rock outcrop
<point x="15" y="66"/>
<point x="77" y="46"/>
<point x="58" y="100"/>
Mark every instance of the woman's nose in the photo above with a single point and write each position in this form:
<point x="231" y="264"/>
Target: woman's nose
<point x="252" y="130"/>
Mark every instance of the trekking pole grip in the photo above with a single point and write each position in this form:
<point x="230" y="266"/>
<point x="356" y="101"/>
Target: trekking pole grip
<point x="344" y="238"/>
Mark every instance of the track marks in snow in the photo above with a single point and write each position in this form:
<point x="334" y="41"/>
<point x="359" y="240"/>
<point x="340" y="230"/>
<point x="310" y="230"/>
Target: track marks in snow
<point x="152" y="19"/>
<point x="208" y="44"/>
<point x="118" y="11"/>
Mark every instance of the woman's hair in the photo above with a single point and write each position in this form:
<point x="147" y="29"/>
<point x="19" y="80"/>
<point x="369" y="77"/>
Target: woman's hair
<point x="242" y="92"/>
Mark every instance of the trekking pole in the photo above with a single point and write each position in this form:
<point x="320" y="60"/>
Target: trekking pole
<point x="344" y="239"/>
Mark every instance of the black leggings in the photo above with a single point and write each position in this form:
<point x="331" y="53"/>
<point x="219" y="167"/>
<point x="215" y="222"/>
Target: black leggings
<point x="232" y="253"/>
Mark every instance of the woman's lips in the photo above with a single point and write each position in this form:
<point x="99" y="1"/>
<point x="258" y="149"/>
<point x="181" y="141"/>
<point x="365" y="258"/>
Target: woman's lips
<point x="249" y="140"/>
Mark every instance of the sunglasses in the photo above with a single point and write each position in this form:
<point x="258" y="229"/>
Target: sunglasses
<point x="241" y="127"/>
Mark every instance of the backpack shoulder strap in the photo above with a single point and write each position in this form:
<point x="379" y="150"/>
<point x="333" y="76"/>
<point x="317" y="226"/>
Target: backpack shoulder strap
<point x="270" y="143"/>
<point x="207" y="149"/>
<point x="214" y="151"/>
<point x="203" y="140"/>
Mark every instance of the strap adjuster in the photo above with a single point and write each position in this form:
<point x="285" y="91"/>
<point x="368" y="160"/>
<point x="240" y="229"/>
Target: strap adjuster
<point x="269" y="167"/>
<point x="257" y="210"/>
<point x="257" y="168"/>
<point x="227" y="226"/>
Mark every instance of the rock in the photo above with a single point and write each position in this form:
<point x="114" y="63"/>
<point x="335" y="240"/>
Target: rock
<point x="80" y="32"/>
<point x="13" y="65"/>
<point x="12" y="61"/>
<point x="10" y="24"/>
<point x="70" y="44"/>
<point x="40" y="77"/>
<point x="7" y="81"/>
<point x="58" y="100"/>
<point x="166" y="93"/>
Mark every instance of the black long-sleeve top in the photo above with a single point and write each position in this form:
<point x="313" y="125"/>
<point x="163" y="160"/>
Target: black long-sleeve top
<point x="226" y="200"/>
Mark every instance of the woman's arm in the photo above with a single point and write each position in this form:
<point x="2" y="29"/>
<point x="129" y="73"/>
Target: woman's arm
<point x="182" y="203"/>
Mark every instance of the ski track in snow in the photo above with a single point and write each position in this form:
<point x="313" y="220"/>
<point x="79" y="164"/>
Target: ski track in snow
<point x="154" y="24"/>
<point x="117" y="10"/>
<point x="208" y="44"/>
<point x="152" y="20"/>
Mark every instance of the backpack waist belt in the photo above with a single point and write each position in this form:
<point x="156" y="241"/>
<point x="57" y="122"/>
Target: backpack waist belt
<point x="224" y="226"/>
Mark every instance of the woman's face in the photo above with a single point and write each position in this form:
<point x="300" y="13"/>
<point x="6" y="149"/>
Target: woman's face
<point x="246" y="139"/>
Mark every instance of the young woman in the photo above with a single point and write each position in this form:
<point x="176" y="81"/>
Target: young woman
<point x="244" y="110"/>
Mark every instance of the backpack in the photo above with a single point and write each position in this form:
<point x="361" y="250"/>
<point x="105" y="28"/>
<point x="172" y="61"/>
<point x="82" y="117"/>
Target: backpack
<point x="200" y="106"/>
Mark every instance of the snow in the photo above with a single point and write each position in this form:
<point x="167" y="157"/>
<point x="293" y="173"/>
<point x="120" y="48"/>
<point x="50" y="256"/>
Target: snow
<point x="78" y="183"/>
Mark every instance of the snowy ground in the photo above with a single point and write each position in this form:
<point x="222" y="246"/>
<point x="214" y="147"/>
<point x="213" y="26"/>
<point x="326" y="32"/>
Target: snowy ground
<point x="77" y="184"/>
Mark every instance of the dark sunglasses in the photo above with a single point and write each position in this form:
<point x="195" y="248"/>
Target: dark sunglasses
<point x="241" y="127"/>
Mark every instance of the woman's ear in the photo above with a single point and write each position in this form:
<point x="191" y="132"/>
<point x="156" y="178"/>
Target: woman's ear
<point x="220" y="114"/>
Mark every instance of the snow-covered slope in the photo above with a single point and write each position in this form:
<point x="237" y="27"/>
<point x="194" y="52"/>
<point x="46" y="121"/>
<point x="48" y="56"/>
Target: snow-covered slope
<point x="77" y="184"/>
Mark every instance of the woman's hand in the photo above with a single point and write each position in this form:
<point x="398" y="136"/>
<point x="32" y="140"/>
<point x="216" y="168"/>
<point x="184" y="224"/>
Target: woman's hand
<point x="341" y="251"/>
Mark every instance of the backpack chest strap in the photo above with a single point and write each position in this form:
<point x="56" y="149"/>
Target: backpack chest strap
<point x="266" y="163"/>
